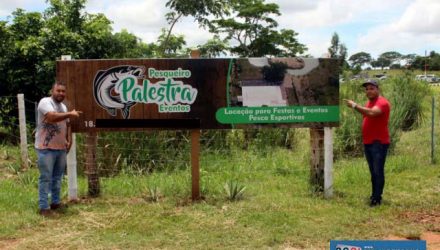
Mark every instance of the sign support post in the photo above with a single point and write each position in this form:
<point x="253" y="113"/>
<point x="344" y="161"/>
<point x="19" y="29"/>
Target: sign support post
<point x="317" y="159"/>
<point x="328" y="162"/>
<point x="91" y="166"/>
<point x="72" y="176"/>
<point x="321" y="161"/>
<point x="71" y="171"/>
<point x="195" y="164"/>
<point x="195" y="152"/>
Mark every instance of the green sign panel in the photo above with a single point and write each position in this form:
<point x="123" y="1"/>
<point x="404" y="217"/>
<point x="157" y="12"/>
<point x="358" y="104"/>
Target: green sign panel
<point x="287" y="114"/>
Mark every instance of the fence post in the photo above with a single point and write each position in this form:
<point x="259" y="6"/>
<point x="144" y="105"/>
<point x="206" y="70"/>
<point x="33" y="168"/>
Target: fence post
<point x="195" y="167"/>
<point x="432" y="131"/>
<point x="195" y="152"/>
<point x="23" y="136"/>
<point x="317" y="159"/>
<point x="71" y="172"/>
<point x="91" y="166"/>
<point x="328" y="162"/>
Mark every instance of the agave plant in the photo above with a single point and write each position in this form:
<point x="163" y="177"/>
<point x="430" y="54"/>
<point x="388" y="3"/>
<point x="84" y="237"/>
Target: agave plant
<point x="234" y="190"/>
<point x="153" y="193"/>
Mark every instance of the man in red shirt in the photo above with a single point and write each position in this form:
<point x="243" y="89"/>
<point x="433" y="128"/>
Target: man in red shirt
<point x="375" y="136"/>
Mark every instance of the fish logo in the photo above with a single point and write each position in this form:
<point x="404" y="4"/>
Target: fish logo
<point x="105" y="88"/>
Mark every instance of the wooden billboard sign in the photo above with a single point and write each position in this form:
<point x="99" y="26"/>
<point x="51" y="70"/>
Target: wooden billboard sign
<point x="136" y="94"/>
<point x="201" y="93"/>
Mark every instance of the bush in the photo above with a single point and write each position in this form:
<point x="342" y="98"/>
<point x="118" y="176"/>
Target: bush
<point x="407" y="112"/>
<point x="406" y="96"/>
<point x="348" y="136"/>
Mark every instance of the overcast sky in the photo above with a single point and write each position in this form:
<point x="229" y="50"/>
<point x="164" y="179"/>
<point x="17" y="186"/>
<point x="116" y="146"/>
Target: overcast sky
<point x="373" y="26"/>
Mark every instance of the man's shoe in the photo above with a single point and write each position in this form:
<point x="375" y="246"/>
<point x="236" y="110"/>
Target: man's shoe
<point x="374" y="202"/>
<point x="59" y="206"/>
<point x="45" y="213"/>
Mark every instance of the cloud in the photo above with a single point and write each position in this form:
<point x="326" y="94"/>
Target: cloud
<point x="143" y="18"/>
<point x="415" y="31"/>
<point x="317" y="46"/>
<point x="295" y="6"/>
<point x="419" y="19"/>
<point x="146" y="18"/>
<point x="329" y="13"/>
<point x="8" y="6"/>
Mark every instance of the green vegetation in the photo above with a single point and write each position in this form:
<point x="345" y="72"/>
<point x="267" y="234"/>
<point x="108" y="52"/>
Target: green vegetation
<point x="153" y="210"/>
<point x="254" y="183"/>
<point x="234" y="190"/>
<point x="405" y="95"/>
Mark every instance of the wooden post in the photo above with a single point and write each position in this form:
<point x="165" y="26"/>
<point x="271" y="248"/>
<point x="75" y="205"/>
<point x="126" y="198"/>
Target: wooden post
<point x="23" y="135"/>
<point x="328" y="162"/>
<point x="71" y="172"/>
<point x="195" y="167"/>
<point x="91" y="166"/>
<point x="321" y="162"/>
<point x="317" y="159"/>
<point x="432" y="131"/>
<point x="195" y="152"/>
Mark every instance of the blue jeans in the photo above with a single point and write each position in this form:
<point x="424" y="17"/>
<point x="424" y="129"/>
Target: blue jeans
<point x="376" y="154"/>
<point x="51" y="164"/>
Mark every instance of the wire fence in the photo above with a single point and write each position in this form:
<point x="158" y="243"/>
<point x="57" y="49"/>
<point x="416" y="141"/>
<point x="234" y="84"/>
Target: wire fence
<point x="237" y="153"/>
<point x="9" y="123"/>
<point x="149" y="151"/>
<point x="169" y="151"/>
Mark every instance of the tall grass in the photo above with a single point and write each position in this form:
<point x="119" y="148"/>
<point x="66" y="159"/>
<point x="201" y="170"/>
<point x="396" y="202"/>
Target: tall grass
<point x="407" y="111"/>
<point x="148" y="151"/>
<point x="407" y="96"/>
<point x="348" y="136"/>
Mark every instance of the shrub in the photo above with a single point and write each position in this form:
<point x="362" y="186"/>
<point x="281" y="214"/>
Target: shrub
<point x="348" y="136"/>
<point x="234" y="190"/>
<point x="407" y="112"/>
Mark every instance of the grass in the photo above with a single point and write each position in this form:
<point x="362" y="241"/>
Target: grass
<point x="277" y="210"/>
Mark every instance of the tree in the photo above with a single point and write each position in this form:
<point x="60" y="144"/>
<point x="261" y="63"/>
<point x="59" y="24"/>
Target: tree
<point x="434" y="61"/>
<point x="98" y="40"/>
<point x="68" y="12"/>
<point x="251" y="25"/>
<point x="391" y="56"/>
<point x="409" y="59"/>
<point x="338" y="50"/>
<point x="32" y="42"/>
<point x="213" y="47"/>
<point x="130" y="46"/>
<point x="26" y="53"/>
<point x="200" y="10"/>
<point x="171" y="45"/>
<point x="360" y="59"/>
<point x="381" y="62"/>
<point x="20" y="61"/>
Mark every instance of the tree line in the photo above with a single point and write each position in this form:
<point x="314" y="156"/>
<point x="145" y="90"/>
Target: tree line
<point x="389" y="59"/>
<point x="395" y="60"/>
